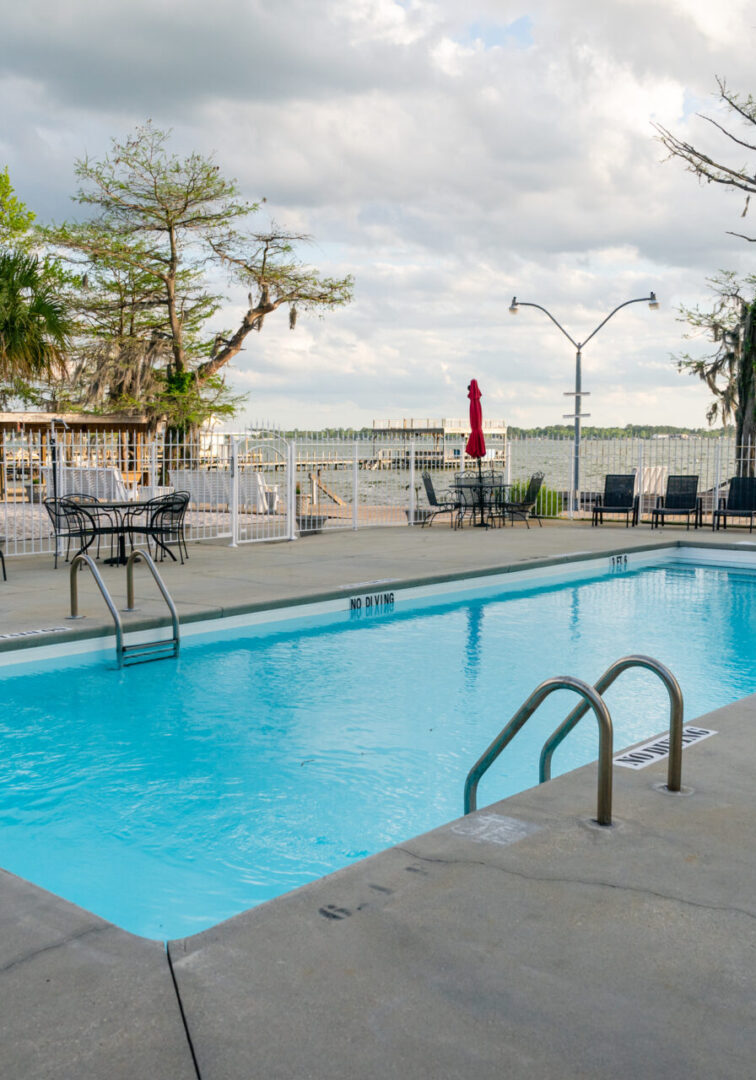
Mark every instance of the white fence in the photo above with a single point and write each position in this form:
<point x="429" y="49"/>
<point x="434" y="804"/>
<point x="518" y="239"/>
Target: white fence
<point x="252" y="488"/>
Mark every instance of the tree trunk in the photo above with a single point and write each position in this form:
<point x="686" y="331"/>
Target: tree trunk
<point x="745" y="441"/>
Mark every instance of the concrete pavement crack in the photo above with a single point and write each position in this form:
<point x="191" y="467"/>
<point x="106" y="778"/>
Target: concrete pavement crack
<point x="599" y="883"/>
<point x="51" y="947"/>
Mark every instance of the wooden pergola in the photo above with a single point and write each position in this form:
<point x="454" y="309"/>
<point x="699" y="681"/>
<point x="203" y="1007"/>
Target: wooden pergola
<point x="118" y="439"/>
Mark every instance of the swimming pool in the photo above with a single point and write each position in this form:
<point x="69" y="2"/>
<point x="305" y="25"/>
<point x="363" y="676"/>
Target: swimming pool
<point x="170" y="796"/>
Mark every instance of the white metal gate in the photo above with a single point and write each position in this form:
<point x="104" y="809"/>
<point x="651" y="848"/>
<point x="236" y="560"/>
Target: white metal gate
<point x="262" y="504"/>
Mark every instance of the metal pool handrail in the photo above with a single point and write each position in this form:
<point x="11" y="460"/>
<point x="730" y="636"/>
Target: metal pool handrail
<point x="591" y="700"/>
<point x="82" y="557"/>
<point x="137" y="555"/>
<point x="674" y="769"/>
<point x="143" y="651"/>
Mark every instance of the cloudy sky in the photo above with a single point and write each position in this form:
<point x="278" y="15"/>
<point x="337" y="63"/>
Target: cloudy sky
<point x="448" y="155"/>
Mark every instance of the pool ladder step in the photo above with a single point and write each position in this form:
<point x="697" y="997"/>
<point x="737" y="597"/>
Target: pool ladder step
<point x="141" y="652"/>
<point x="145" y="651"/>
<point x="592" y="699"/>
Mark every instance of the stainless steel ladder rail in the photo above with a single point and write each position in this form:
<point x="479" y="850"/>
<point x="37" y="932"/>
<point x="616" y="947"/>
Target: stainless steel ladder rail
<point x="150" y="650"/>
<point x="82" y="557"/>
<point x="143" y="651"/>
<point x="591" y="700"/>
<point x="674" y="768"/>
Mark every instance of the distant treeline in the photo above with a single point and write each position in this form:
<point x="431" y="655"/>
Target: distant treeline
<point x="552" y="431"/>
<point x="329" y="433"/>
<point x="629" y="431"/>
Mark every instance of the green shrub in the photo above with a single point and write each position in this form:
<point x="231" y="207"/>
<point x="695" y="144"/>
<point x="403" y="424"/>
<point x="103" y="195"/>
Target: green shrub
<point x="548" y="503"/>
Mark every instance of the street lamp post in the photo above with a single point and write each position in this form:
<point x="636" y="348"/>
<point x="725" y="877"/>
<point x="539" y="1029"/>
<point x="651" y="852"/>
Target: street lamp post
<point x="579" y="393"/>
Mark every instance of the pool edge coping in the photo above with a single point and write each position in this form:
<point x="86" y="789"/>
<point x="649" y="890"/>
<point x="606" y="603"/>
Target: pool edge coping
<point x="39" y="641"/>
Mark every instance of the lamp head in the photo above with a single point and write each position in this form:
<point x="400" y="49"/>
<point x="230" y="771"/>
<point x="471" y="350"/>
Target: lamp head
<point x="653" y="303"/>
<point x="513" y="308"/>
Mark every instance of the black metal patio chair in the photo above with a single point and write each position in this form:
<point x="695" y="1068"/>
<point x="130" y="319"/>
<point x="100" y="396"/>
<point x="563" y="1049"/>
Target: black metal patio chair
<point x="103" y="517"/>
<point x="468" y="503"/>
<point x="740" y="502"/>
<point x="161" y="520"/>
<point x="448" y="503"/>
<point x="523" y="508"/>
<point x="71" y="522"/>
<point x="681" y="499"/>
<point x="59" y="524"/>
<point x="618" y="498"/>
<point x="78" y="525"/>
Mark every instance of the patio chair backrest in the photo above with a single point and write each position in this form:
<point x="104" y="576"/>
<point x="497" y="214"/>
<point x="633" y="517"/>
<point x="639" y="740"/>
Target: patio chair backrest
<point x="56" y="515"/>
<point x="168" y="510"/>
<point x="103" y="482"/>
<point x="429" y="489"/>
<point x="469" y="497"/>
<point x="651" y="479"/>
<point x="742" y="493"/>
<point x="682" y="492"/>
<point x="269" y="493"/>
<point x="256" y="494"/>
<point x="206" y="487"/>
<point x="619" y="490"/>
<point x="72" y="509"/>
<point x="166" y="516"/>
<point x="534" y="486"/>
<point x="78" y="521"/>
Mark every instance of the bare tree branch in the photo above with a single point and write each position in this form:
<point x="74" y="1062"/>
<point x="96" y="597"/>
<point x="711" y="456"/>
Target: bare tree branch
<point x="704" y="165"/>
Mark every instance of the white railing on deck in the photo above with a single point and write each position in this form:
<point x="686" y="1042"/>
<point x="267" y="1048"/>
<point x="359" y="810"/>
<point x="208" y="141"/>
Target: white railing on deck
<point x="246" y="488"/>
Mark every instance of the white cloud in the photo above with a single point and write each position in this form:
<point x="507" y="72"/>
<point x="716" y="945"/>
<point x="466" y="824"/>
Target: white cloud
<point x="447" y="155"/>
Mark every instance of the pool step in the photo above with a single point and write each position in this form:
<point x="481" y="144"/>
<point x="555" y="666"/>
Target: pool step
<point x="145" y="651"/>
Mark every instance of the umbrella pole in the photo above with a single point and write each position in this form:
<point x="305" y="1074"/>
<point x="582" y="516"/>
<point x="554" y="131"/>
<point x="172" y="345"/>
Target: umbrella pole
<point x="482" y="522"/>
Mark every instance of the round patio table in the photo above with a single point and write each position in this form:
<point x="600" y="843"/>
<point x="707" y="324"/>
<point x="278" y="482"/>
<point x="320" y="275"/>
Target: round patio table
<point x="482" y="494"/>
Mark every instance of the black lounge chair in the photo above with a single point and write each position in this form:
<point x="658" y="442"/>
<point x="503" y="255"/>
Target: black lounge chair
<point x="523" y="508"/>
<point x="618" y="498"/>
<point x="740" y="502"/>
<point x="681" y="500"/>
<point x="447" y="504"/>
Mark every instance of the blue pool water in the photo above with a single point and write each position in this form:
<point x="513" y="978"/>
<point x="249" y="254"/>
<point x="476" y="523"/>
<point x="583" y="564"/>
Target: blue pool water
<point x="170" y="796"/>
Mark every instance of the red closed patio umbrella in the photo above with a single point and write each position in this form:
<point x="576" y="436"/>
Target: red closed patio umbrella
<point x="476" y="444"/>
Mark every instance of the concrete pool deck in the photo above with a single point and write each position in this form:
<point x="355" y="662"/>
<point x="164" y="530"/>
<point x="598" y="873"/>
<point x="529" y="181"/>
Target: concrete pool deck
<point x="219" y="581"/>
<point x="520" y="941"/>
